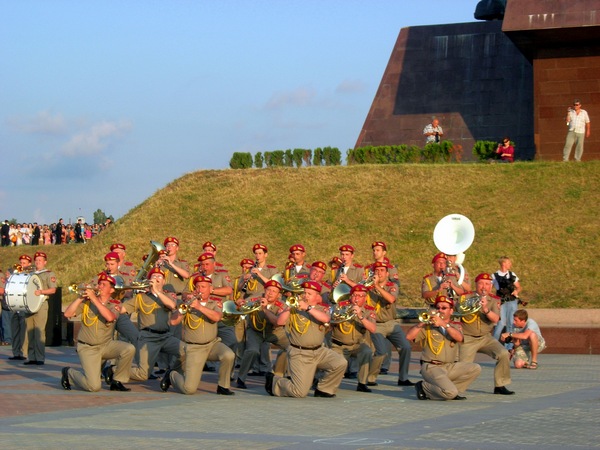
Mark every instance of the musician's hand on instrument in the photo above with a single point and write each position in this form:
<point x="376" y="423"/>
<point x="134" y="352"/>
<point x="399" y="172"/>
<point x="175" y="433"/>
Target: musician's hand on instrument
<point x="263" y="302"/>
<point x="38" y="292"/>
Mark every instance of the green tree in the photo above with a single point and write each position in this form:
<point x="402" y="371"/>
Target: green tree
<point x="99" y="217"/>
<point x="258" y="160"/>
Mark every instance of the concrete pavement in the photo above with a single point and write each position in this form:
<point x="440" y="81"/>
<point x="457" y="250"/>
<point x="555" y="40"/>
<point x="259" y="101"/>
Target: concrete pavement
<point x="555" y="407"/>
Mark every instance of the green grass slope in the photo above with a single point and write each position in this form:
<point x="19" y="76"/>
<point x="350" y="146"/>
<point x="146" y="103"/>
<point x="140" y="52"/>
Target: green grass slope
<point x="542" y="215"/>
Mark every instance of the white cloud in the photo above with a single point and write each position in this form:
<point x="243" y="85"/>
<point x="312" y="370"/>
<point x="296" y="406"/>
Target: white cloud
<point x="302" y="96"/>
<point x="94" y="140"/>
<point x="43" y="122"/>
<point x="350" y="87"/>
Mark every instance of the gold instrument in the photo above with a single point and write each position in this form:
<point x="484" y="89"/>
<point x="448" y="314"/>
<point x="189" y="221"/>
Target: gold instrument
<point x="341" y="314"/>
<point x="338" y="275"/>
<point x="427" y="316"/>
<point x="244" y="287"/>
<point x="18" y="268"/>
<point x="80" y="289"/>
<point x="291" y="286"/>
<point x="184" y="307"/>
<point x="468" y="306"/>
<point x="342" y="291"/>
<point x="232" y="314"/>
<point x="149" y="263"/>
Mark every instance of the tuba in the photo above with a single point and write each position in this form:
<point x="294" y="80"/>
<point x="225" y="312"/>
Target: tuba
<point x="453" y="235"/>
<point x="142" y="274"/>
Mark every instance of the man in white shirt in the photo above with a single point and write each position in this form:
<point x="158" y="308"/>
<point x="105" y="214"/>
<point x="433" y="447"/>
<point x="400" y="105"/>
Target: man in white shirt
<point x="578" y="122"/>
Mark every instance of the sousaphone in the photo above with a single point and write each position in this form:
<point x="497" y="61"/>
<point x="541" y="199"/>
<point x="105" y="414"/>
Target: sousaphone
<point x="453" y="235"/>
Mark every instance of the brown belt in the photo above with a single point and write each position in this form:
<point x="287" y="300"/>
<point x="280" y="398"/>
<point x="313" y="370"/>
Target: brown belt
<point x="434" y="362"/>
<point x="85" y="343"/>
<point x="197" y="343"/>
<point x="306" y="348"/>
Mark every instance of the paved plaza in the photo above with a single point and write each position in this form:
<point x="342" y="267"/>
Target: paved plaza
<point x="555" y="407"/>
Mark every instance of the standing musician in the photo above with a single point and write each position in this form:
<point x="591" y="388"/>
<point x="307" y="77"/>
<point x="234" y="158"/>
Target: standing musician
<point x="306" y="325"/>
<point x="260" y="273"/>
<point x="477" y="330"/>
<point x="348" y="272"/>
<point x="297" y="268"/>
<point x="95" y="340"/>
<point x="18" y="327"/>
<point x="176" y="270"/>
<point x="334" y="265"/>
<point x="383" y="297"/>
<point x="443" y="377"/>
<point x="153" y="308"/>
<point x="36" y="322"/>
<point x="124" y="267"/>
<point x="262" y="328"/>
<point x="440" y="281"/>
<point x="209" y="247"/>
<point x="317" y="274"/>
<point x="350" y="337"/>
<point x="379" y="249"/>
<point x="199" y="318"/>
<point x="240" y="284"/>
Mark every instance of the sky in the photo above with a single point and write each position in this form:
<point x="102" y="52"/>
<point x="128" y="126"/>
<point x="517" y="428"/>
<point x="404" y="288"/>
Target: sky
<point x="103" y="103"/>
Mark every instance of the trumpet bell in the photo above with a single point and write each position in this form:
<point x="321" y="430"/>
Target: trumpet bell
<point x="341" y="293"/>
<point x="453" y="234"/>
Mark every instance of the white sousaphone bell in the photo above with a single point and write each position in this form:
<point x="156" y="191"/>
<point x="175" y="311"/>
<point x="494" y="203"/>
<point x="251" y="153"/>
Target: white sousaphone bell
<point x="453" y="235"/>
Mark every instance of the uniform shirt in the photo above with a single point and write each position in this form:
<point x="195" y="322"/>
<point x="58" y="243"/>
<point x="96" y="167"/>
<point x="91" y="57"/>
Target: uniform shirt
<point x="174" y="279"/>
<point x="353" y="331"/>
<point x="197" y="328"/>
<point x="48" y="279"/>
<point x="151" y="311"/>
<point x="384" y="310"/>
<point x="95" y="330"/>
<point x="304" y="330"/>
<point x="256" y="285"/>
<point x="392" y="273"/>
<point x="478" y="324"/>
<point x="127" y="268"/>
<point x="258" y="321"/>
<point x="219" y="279"/>
<point x="437" y="345"/>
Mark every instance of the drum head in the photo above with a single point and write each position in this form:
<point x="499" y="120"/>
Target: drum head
<point x="20" y="293"/>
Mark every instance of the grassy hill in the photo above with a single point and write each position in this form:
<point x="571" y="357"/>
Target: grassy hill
<point x="543" y="215"/>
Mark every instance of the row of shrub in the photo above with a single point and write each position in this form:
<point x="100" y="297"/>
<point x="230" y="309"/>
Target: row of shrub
<point x="443" y="152"/>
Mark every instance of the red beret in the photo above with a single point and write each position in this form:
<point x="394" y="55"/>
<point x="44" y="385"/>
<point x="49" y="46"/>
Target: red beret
<point x="261" y="247"/>
<point x="273" y="283"/>
<point x="111" y="256"/>
<point x="155" y="270"/>
<point x="117" y="246"/>
<point x="202" y="279"/>
<point x="440" y="255"/>
<point x="346" y="248"/>
<point x="209" y="244"/>
<point x="171" y="239"/>
<point x="358" y="288"/>
<point x="441" y="298"/>
<point x="206" y="255"/>
<point x="311" y="285"/>
<point x="380" y="244"/>
<point x="320" y="265"/>
<point x="483" y="276"/>
<point x="103" y="276"/>
<point x="377" y="264"/>
<point x="42" y="254"/>
<point x="27" y="257"/>
<point x="297" y="248"/>
<point x="245" y="261"/>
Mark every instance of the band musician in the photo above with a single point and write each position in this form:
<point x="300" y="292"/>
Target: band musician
<point x="443" y="377"/>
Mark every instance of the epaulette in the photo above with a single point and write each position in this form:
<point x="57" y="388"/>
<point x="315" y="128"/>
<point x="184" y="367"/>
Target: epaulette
<point x="214" y="298"/>
<point x="327" y="285"/>
<point x="128" y="263"/>
<point x="222" y="271"/>
<point x="324" y="305"/>
<point x="301" y="276"/>
<point x="369" y="307"/>
<point x="358" y="266"/>
<point x="271" y="266"/>
<point x="344" y="303"/>
<point x="428" y="275"/>
<point x="278" y="304"/>
<point x="308" y="266"/>
<point x="390" y="283"/>
<point x="218" y="264"/>
<point x="494" y="296"/>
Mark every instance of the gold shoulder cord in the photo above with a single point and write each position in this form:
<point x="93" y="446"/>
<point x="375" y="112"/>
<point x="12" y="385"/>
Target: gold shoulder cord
<point x="346" y="327"/>
<point x="435" y="345"/>
<point x="145" y="308"/>
<point x="88" y="320"/>
<point x="297" y="321"/>
<point x="193" y="323"/>
<point x="259" y="325"/>
<point x="252" y="284"/>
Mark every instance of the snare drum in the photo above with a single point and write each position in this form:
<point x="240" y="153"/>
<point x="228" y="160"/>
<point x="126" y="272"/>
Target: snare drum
<point x="19" y="293"/>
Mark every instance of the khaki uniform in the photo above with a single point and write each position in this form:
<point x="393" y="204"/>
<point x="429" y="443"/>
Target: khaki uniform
<point x="201" y="345"/>
<point x="256" y="286"/>
<point x="95" y="344"/>
<point x="174" y="279"/>
<point x="443" y="377"/>
<point x="259" y="331"/>
<point x="477" y="329"/>
<point x="388" y="328"/>
<point x="351" y="339"/>
<point x="306" y="354"/>
<point x="153" y="323"/>
<point x="36" y="322"/>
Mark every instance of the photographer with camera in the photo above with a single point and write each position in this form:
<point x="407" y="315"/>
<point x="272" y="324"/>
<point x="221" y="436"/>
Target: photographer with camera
<point x="434" y="132"/>
<point x="507" y="287"/>
<point x="527" y="339"/>
<point x="506" y="151"/>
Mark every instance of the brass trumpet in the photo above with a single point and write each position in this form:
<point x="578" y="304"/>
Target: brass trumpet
<point x="18" y="268"/>
<point x="80" y="289"/>
<point x="427" y="316"/>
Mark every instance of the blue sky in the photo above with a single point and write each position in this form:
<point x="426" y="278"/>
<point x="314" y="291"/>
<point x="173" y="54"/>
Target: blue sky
<point x="102" y="103"/>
